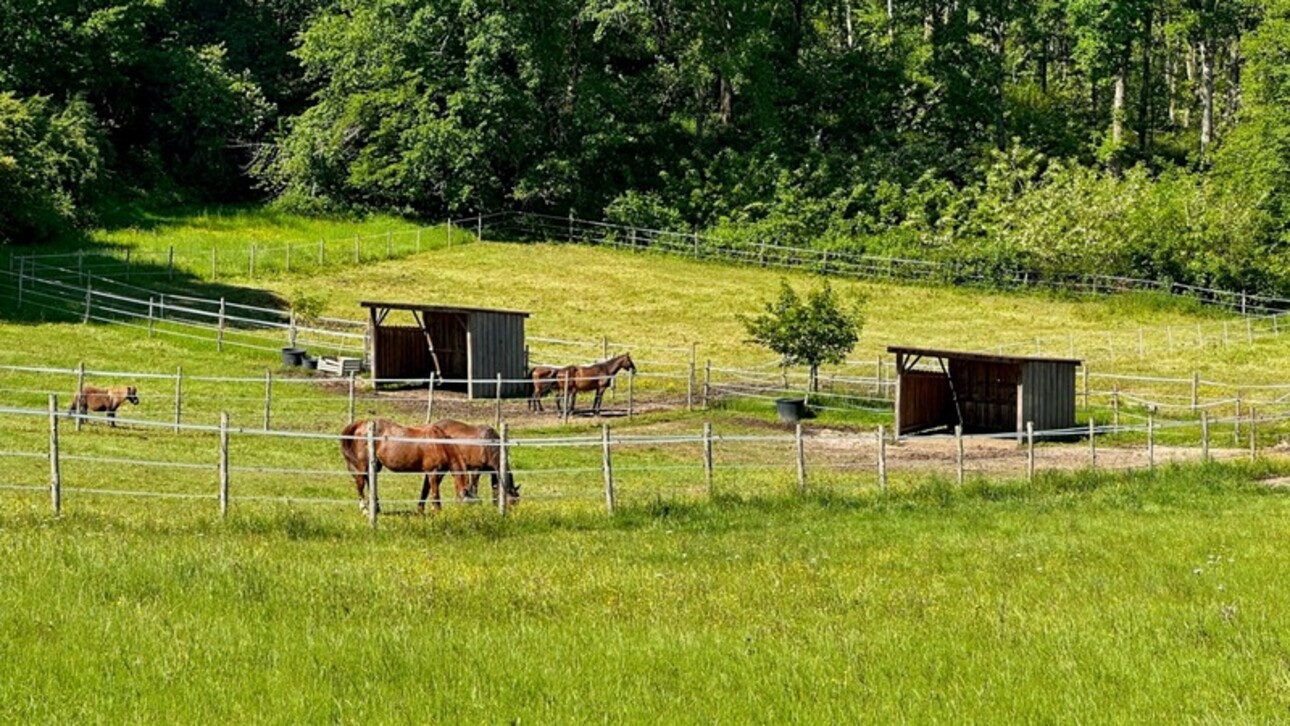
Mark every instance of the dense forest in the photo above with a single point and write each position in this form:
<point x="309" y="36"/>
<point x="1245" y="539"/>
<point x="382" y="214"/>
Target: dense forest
<point x="1140" y="137"/>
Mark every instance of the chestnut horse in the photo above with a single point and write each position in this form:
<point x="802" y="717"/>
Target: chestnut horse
<point x="480" y="453"/>
<point x="433" y="456"/>
<point x="595" y="377"/>
<point x="103" y="399"/>
<point x="544" y="380"/>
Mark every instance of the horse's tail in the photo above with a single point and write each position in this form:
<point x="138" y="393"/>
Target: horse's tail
<point x="350" y="443"/>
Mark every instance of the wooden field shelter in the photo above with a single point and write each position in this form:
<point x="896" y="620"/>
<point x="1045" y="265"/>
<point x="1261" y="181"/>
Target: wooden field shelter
<point x="465" y="348"/>
<point x="937" y="390"/>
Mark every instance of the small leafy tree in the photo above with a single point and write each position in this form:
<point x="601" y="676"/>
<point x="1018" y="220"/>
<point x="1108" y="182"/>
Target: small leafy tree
<point x="817" y="329"/>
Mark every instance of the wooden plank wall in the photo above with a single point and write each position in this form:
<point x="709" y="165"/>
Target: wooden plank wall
<point x="925" y="402"/>
<point x="987" y="394"/>
<point x="1048" y="395"/>
<point x="401" y="352"/>
<point x="497" y="346"/>
<point x="448" y="330"/>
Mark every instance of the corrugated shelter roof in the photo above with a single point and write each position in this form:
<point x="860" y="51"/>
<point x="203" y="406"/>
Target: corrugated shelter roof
<point x="421" y="307"/>
<point x="977" y="356"/>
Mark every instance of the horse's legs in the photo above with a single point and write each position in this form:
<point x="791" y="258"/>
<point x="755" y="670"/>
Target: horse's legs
<point x="600" y="394"/>
<point x="360" y="483"/>
<point x="111" y="418"/>
<point x="425" y="492"/>
<point x="466" y="483"/>
<point x="434" y="491"/>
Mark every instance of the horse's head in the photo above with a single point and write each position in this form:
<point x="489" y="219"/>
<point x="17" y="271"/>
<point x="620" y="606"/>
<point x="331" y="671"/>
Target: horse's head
<point x="512" y="490"/>
<point x="626" y="364"/>
<point x="132" y="395"/>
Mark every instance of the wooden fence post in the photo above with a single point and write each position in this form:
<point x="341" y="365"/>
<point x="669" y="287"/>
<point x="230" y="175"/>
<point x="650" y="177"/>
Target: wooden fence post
<point x="288" y="257"/>
<point x="22" y="276"/>
<point x="373" y="498"/>
<point x="497" y="412"/>
<point x="430" y="399"/>
<point x="55" y="469"/>
<point x="1030" y="451"/>
<point x="882" y="459"/>
<point x="1204" y="435"/>
<point x="707" y="455"/>
<point x="89" y="294"/>
<point x="958" y="458"/>
<point x="707" y="382"/>
<point x="268" y="397"/>
<point x="151" y="302"/>
<point x="450" y="232"/>
<point x="608" y="466"/>
<point x="356" y="255"/>
<point x="689" y="388"/>
<point x="1195" y="390"/>
<point x="170" y="263"/>
<point x="219" y="332"/>
<point x="418" y="240"/>
<point x="321" y="253"/>
<point x="1092" y="443"/>
<point x="800" y="450"/>
<point x="128" y="257"/>
<point x="293" y="331"/>
<point x="80" y="395"/>
<point x="1115" y="406"/>
<point x="631" y="386"/>
<point x="223" y="464"/>
<point x="505" y="465"/>
<point x="1151" y="439"/>
<point x="179" y="395"/>
<point x="214" y="262"/>
<point x="479" y="228"/>
<point x="351" y="396"/>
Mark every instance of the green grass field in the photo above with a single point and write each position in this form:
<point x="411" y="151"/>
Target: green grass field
<point x="1085" y="596"/>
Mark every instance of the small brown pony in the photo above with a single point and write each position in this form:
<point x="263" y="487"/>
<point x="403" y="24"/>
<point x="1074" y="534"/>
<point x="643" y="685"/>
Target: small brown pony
<point x="431" y="456"/>
<point x="544" y="381"/>
<point x="595" y="377"/>
<point x="482" y="455"/>
<point x="103" y="399"/>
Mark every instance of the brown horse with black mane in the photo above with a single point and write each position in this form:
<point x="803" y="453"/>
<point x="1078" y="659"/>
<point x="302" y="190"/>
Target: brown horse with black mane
<point x="429" y="455"/>
<point x="545" y="379"/>
<point x="103" y="399"/>
<point x="480" y="453"/>
<point x="426" y="449"/>
<point x="595" y="377"/>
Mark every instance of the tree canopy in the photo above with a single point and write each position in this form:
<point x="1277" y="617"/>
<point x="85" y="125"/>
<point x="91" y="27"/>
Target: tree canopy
<point x="1140" y="137"/>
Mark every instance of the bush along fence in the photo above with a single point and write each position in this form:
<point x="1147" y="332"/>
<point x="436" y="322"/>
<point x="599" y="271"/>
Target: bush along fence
<point x="224" y="464"/>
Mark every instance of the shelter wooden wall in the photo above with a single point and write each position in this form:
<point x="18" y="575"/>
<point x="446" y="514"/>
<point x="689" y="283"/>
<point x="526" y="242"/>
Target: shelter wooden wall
<point x="923" y="402"/>
<point x="1048" y="395"/>
<point x="987" y="394"/>
<point x="496" y="343"/>
<point x="401" y="353"/>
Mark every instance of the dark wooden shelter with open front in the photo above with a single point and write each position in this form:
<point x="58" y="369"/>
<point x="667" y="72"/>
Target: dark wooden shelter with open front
<point x="465" y="348"/>
<point x="941" y="389"/>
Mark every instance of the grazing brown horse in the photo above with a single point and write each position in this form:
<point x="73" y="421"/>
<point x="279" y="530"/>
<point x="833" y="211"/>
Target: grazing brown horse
<point x="480" y="454"/>
<point x="103" y="399"/>
<point x="432" y="456"/>
<point x="595" y="377"/>
<point x="544" y="381"/>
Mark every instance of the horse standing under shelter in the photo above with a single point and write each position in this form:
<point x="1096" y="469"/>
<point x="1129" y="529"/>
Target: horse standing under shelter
<point x="595" y="377"/>
<point x="90" y="398"/>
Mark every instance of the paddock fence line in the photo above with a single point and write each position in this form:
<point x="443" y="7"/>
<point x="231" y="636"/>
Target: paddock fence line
<point x="847" y="263"/>
<point x="227" y="465"/>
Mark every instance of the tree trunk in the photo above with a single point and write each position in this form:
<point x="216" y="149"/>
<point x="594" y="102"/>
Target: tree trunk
<point x="1117" y="105"/>
<point x="1233" y="82"/>
<point x="1144" y="98"/>
<point x="1206" y="56"/>
<point x="851" y="38"/>
<point x="1001" y="39"/>
<point x="1043" y="65"/>
<point x="815" y="378"/>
